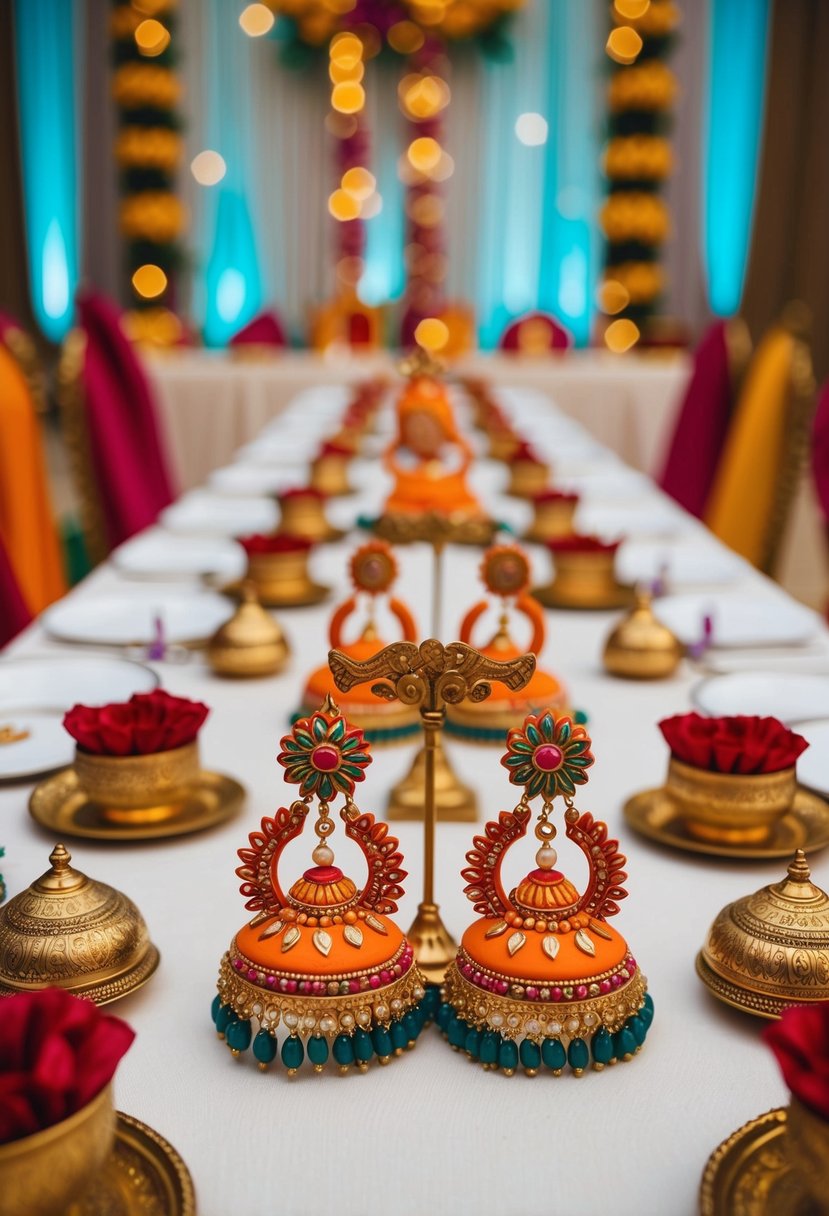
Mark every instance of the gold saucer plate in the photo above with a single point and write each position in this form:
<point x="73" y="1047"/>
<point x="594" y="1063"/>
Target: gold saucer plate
<point x="311" y="593"/>
<point x="654" y="814"/>
<point x="62" y="807"/>
<point x="616" y="597"/>
<point x="750" y="1174"/>
<point x="143" y="1176"/>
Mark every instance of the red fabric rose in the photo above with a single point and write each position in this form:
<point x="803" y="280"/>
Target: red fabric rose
<point x="300" y="492"/>
<point x="554" y="496"/>
<point x="800" y="1041"/>
<point x="330" y="448"/>
<point x="149" y="722"/>
<point x="279" y="542"/>
<point x="526" y="453"/>
<point x="742" y="744"/>
<point x="56" y="1053"/>
<point x="578" y="543"/>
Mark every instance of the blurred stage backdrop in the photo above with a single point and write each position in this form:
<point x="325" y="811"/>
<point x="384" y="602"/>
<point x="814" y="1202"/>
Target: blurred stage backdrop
<point x="613" y="164"/>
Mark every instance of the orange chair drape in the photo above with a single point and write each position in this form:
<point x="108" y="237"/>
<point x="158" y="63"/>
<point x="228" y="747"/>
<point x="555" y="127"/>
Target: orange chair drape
<point x="27" y="525"/>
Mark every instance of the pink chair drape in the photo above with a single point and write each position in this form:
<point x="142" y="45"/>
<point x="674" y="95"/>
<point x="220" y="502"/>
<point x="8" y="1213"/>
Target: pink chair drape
<point x="266" y="329"/>
<point x="702" y="424"/>
<point x="14" y="615"/>
<point x="820" y="451"/>
<point x="128" y="460"/>
<point x="534" y="332"/>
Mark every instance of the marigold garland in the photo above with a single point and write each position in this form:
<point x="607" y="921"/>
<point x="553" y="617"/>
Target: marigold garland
<point x="148" y="148"/>
<point x="638" y="158"/>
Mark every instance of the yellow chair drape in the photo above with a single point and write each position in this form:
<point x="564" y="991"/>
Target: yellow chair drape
<point x="27" y="525"/>
<point x="745" y="501"/>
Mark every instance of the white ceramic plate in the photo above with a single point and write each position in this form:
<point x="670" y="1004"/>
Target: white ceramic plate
<point x="813" y="765"/>
<point x="612" y="523"/>
<point x="130" y="621"/>
<point x="203" y="514"/>
<point x="46" y="746"/>
<point x="606" y="485"/>
<point x="159" y="555"/>
<point x="791" y="698"/>
<point x="250" y="479"/>
<point x="291" y="451"/>
<point x="58" y="682"/>
<point x="739" y="620"/>
<point x="682" y="565"/>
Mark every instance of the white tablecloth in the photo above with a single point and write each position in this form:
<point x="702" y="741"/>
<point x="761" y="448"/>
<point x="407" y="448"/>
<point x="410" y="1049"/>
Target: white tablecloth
<point x="431" y="1133"/>
<point x="211" y="402"/>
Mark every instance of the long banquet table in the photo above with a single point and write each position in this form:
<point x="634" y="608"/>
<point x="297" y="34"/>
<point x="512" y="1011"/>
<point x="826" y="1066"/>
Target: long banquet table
<point x="431" y="1133"/>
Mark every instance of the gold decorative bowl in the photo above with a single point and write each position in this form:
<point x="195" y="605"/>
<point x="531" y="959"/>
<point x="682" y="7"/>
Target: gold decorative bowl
<point x="584" y="578"/>
<point x="329" y="474"/>
<point x="304" y="515"/>
<point x="251" y="643"/>
<point x="283" y="578"/>
<point x="730" y="808"/>
<point x="770" y="949"/>
<point x="42" y="1174"/>
<point x="68" y="931"/>
<point x="640" y="647"/>
<point x="807" y="1147"/>
<point x="553" y="518"/>
<point x="139" y="789"/>
<point x="502" y="444"/>
<point x="527" y="477"/>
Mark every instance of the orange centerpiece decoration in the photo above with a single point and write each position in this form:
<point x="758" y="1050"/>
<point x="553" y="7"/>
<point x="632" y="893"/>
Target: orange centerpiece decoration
<point x="323" y="962"/>
<point x="506" y="574"/>
<point x="541" y="979"/>
<point x="373" y="573"/>
<point x="429" y="458"/>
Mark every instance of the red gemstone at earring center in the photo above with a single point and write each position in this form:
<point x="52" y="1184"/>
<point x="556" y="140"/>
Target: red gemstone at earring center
<point x="547" y="757"/>
<point x="325" y="758"/>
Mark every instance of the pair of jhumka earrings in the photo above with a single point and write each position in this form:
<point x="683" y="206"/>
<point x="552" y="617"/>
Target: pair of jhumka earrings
<point x="323" y="971"/>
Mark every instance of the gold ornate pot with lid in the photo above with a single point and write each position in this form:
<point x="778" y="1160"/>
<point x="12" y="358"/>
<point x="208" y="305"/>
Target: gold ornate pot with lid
<point x="770" y="949"/>
<point x="640" y="647"/>
<point x="251" y="643"/>
<point x="68" y="931"/>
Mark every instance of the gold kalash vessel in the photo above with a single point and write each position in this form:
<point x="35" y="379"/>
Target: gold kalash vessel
<point x="541" y="980"/>
<point x="323" y="964"/>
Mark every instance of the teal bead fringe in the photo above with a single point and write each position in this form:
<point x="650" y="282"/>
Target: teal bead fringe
<point x="238" y="1035"/>
<point x="399" y="1038"/>
<point x="530" y="1054"/>
<point x="553" y="1054"/>
<point x="318" y="1049"/>
<point x="578" y="1057"/>
<point x="602" y="1046"/>
<point x="508" y="1054"/>
<point x="363" y="1048"/>
<point x="223" y="1018"/>
<point x="472" y="1043"/>
<point x="264" y="1047"/>
<point x="489" y="1047"/>
<point x="293" y="1053"/>
<point x="215" y="1007"/>
<point x="381" y="1041"/>
<point x="343" y="1049"/>
<point x="646" y="1012"/>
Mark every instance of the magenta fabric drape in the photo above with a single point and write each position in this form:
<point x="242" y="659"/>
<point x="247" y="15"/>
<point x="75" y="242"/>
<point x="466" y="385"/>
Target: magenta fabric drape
<point x="127" y="456"/>
<point x="820" y="450"/>
<point x="559" y="337"/>
<point x="702" y="424"/>
<point x="264" y="330"/>
<point x="14" y="615"/>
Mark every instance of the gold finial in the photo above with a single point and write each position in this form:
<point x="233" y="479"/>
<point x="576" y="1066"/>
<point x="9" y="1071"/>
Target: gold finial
<point x="247" y="592"/>
<point x="798" y="870"/>
<point x="330" y="707"/>
<point x="60" y="858"/>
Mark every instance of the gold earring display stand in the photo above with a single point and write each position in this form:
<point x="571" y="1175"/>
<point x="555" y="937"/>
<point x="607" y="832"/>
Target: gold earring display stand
<point x="430" y="676"/>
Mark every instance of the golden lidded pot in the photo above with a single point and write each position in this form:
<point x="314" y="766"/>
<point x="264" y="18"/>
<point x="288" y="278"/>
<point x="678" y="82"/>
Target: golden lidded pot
<point x="329" y="474"/>
<point x="554" y="516"/>
<point x="251" y="643"/>
<point x="730" y="808"/>
<point x="585" y="575"/>
<point x="527" y="477"/>
<point x="770" y="949"/>
<point x="139" y="789"/>
<point x="640" y="647"/>
<point x="41" y="1174"/>
<point x="279" y="572"/>
<point x="68" y="931"/>
<point x="303" y="514"/>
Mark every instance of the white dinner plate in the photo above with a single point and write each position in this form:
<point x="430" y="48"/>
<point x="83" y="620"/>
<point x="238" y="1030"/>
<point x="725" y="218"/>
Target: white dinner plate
<point x="130" y="620"/>
<point x="203" y="514"/>
<point x="610" y="484"/>
<point x="58" y="682"/>
<point x="44" y="747"/>
<point x="250" y="479"/>
<point x="160" y="555"/>
<point x="813" y="764"/>
<point x="791" y="698"/>
<point x="681" y="565"/>
<point x="738" y="620"/>
<point x="613" y="522"/>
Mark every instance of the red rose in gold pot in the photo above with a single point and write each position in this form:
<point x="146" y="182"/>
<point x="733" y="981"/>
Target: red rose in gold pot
<point x="741" y="744"/>
<point x="800" y="1041"/>
<point x="148" y="722"/>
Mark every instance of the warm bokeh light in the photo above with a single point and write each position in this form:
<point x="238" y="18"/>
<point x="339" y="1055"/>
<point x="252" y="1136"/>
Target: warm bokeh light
<point x="208" y="167"/>
<point x="149" y="281"/>
<point x="372" y="206"/>
<point x="350" y="270"/>
<point x="623" y="44"/>
<point x="346" y="50"/>
<point x="341" y="126"/>
<point x="256" y="20"/>
<point x="432" y="333"/>
<point x="343" y="206"/>
<point x="444" y="169"/>
<point x="612" y="297"/>
<point x="531" y="129"/>
<point x="348" y="97"/>
<point x="359" y="183"/>
<point x="405" y="37"/>
<point x="151" y="37"/>
<point x="426" y="210"/>
<point x="424" y="153"/>
<point x="150" y="8"/>
<point x="631" y="9"/>
<point x="621" y="335"/>
<point x="337" y="73"/>
<point x="423" y="96"/>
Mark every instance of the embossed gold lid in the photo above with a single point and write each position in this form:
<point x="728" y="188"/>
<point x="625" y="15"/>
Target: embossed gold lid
<point x="69" y="931"/>
<point x="771" y="949"/>
<point x="251" y="643"/>
<point x="640" y="647"/>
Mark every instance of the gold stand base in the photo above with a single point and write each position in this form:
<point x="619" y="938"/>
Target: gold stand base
<point x="454" y="801"/>
<point x="434" y="946"/>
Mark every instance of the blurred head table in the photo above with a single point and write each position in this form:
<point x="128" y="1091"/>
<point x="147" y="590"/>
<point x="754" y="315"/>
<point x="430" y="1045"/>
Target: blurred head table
<point x="212" y="402"/>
